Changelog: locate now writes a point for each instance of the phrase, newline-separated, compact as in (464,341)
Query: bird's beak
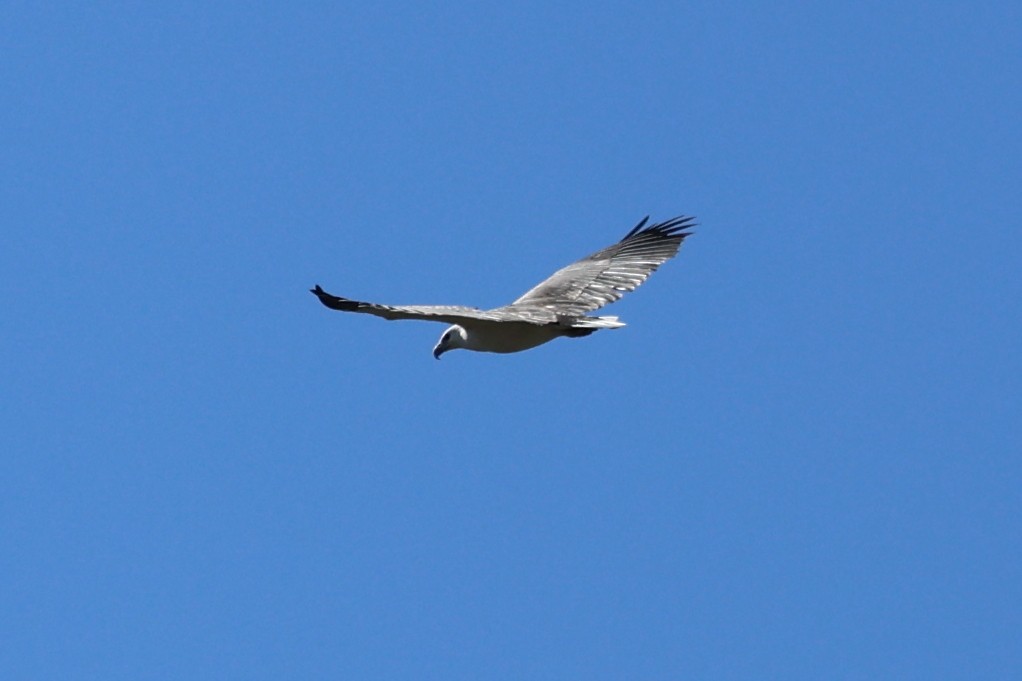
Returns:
(437,351)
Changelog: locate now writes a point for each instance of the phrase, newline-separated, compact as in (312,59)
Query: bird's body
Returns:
(555,308)
(507,337)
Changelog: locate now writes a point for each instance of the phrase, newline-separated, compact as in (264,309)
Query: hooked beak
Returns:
(437,351)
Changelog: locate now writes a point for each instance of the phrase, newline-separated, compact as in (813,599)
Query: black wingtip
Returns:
(672,227)
(637,227)
(334,302)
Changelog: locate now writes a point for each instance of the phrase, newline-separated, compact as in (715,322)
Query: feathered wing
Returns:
(583,286)
(448,314)
(608,274)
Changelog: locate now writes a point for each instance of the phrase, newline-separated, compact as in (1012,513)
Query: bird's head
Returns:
(454,337)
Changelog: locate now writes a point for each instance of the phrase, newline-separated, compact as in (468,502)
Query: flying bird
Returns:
(554,308)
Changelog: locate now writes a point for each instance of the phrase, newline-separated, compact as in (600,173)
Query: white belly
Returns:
(509,336)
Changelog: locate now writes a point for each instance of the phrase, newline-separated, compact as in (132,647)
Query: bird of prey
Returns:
(554,308)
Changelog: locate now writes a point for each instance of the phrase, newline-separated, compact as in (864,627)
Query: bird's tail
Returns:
(597,323)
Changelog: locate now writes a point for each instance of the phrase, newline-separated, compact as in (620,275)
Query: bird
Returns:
(554,308)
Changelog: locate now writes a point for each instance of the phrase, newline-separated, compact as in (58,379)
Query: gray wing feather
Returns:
(605,276)
(449,314)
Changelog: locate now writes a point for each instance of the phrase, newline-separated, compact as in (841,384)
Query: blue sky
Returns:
(800,460)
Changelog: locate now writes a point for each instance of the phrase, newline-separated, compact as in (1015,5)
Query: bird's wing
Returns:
(449,314)
(606,275)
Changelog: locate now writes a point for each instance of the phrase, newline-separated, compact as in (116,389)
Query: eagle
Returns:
(556,307)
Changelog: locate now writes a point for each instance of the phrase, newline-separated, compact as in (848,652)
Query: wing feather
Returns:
(605,276)
(449,314)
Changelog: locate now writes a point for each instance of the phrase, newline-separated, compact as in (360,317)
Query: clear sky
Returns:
(802,459)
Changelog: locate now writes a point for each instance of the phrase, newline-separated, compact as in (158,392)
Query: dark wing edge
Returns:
(336,302)
(668,228)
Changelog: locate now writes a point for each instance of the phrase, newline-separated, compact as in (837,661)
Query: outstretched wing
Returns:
(605,276)
(449,314)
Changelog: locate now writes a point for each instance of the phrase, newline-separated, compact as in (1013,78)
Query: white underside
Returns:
(507,337)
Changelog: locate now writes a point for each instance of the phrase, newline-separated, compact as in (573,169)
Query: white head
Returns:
(454,337)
